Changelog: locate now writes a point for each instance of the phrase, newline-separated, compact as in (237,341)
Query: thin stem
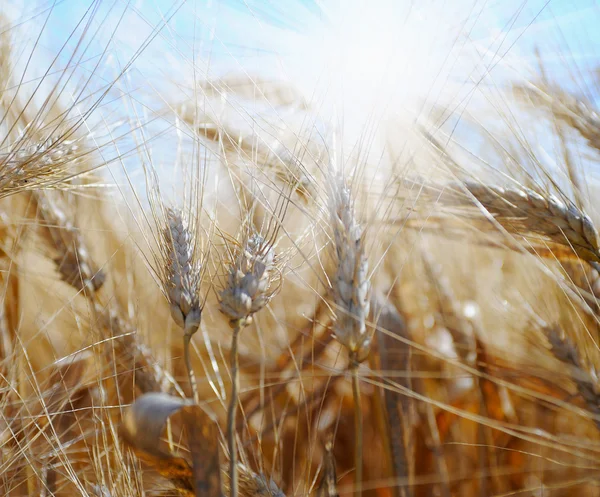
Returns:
(358,434)
(233,400)
(187,338)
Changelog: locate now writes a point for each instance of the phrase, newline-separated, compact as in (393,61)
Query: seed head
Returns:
(73,261)
(36,165)
(182,272)
(350,283)
(254,485)
(248,287)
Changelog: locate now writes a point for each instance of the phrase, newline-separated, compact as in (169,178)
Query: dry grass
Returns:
(285,324)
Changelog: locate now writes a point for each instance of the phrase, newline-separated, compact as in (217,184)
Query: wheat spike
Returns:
(182,275)
(389,318)
(585,280)
(526,211)
(41,165)
(149,376)
(545,221)
(350,283)
(566,351)
(79,270)
(254,485)
(182,278)
(460,328)
(74,261)
(580,115)
(249,282)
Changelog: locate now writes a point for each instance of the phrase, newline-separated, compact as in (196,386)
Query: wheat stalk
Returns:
(350,288)
(248,289)
(328,485)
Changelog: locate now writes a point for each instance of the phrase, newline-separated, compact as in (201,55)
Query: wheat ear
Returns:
(148,375)
(79,270)
(585,279)
(248,289)
(182,280)
(580,115)
(566,351)
(545,221)
(73,262)
(32,167)
(395,355)
(550,226)
(350,288)
(253,484)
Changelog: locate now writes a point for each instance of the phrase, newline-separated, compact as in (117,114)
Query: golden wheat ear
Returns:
(183,272)
(47,164)
(394,355)
(575,112)
(250,276)
(548,226)
(71,255)
(73,259)
(350,283)
(566,351)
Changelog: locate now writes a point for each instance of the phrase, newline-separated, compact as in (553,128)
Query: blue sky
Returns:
(292,40)
(241,27)
(228,35)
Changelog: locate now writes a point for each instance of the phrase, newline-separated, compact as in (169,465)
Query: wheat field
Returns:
(308,248)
